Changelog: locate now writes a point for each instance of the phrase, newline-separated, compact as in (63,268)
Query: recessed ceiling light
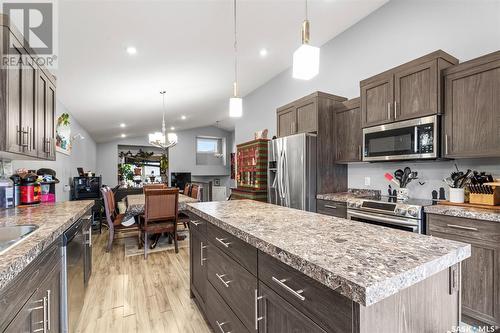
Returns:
(172,128)
(123,135)
(131,50)
(122,125)
(263,52)
(183,117)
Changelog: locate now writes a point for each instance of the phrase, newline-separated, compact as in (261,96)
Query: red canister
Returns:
(30,190)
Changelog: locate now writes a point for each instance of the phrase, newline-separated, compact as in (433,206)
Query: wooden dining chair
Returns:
(113,219)
(154,187)
(195,192)
(160,215)
(187,189)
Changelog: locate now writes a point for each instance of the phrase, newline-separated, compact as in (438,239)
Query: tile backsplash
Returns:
(430,173)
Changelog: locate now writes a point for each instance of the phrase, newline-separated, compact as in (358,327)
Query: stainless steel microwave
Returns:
(404,140)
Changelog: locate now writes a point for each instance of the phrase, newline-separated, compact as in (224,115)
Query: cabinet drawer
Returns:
(197,223)
(332,208)
(326,307)
(477,229)
(18,291)
(243,253)
(234,283)
(220,315)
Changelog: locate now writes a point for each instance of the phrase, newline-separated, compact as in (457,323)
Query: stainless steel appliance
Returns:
(388,212)
(292,171)
(404,140)
(76,268)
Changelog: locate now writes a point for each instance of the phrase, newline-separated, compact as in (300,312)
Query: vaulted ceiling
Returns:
(184,47)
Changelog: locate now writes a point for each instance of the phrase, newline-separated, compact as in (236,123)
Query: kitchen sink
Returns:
(12,235)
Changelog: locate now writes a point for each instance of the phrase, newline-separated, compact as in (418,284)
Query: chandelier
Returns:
(163,139)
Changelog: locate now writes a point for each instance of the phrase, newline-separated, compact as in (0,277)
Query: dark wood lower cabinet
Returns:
(480,272)
(198,263)
(219,314)
(33,299)
(279,316)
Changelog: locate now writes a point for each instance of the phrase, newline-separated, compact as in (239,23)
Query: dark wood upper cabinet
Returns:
(472,108)
(349,140)
(307,116)
(29,113)
(28,110)
(46,117)
(287,121)
(409,91)
(315,113)
(303,115)
(376,101)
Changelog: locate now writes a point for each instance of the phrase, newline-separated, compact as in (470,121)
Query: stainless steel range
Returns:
(388,212)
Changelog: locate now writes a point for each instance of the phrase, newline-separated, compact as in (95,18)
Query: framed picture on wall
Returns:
(63,134)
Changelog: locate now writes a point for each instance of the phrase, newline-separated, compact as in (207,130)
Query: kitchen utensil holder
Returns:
(457,195)
(403,194)
(487,199)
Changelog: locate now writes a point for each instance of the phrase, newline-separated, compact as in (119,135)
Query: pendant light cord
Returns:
(307,10)
(235,92)
(163,128)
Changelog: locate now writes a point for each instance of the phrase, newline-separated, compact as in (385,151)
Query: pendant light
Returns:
(163,140)
(235,102)
(306,57)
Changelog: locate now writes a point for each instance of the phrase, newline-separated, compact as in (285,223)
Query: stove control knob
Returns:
(413,211)
(400,211)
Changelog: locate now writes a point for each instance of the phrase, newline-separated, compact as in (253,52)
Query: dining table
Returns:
(136,202)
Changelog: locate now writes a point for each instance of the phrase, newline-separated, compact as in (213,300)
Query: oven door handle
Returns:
(388,220)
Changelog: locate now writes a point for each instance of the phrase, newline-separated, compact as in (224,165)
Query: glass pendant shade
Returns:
(235,107)
(306,62)
(172,138)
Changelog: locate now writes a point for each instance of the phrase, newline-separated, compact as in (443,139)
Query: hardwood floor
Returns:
(136,295)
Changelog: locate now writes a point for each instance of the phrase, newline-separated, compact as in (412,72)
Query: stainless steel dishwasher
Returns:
(73,285)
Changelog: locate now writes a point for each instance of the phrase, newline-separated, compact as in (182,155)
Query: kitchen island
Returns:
(261,267)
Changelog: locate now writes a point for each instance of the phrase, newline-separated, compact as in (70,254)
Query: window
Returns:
(208,145)
(210,151)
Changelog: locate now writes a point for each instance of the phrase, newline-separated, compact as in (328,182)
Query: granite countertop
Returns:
(348,195)
(52,221)
(466,212)
(364,262)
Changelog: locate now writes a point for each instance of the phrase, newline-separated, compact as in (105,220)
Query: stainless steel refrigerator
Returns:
(292,172)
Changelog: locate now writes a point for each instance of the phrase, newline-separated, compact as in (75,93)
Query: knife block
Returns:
(486,199)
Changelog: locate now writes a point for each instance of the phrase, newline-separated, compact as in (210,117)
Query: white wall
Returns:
(398,32)
(182,157)
(83,155)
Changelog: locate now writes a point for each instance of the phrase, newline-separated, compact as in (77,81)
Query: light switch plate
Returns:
(368,181)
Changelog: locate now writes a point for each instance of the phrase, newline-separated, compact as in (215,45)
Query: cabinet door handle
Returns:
(196,222)
(330,206)
(48,309)
(201,253)
(219,324)
(360,153)
(221,240)
(461,227)
(44,321)
(220,277)
(395,110)
(296,293)
(389,110)
(256,303)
